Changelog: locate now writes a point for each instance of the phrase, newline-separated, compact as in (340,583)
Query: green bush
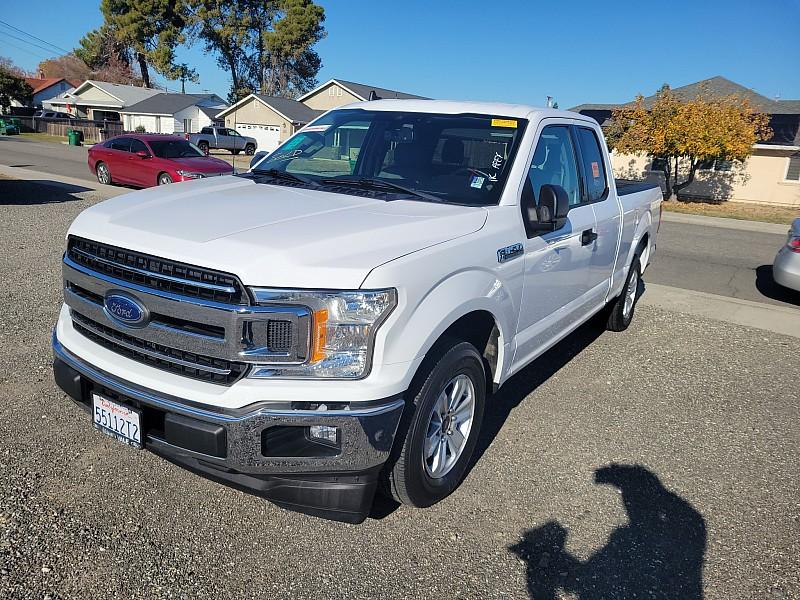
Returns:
(140,129)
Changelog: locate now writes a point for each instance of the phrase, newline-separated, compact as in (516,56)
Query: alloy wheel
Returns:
(449,426)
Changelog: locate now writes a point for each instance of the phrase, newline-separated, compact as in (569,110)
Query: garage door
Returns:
(267,136)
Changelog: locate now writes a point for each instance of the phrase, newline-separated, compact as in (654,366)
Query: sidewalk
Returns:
(60,181)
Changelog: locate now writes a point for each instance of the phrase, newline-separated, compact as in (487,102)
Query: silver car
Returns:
(786,268)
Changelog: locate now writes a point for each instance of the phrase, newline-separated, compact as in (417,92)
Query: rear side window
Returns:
(594,170)
(207,131)
(121,144)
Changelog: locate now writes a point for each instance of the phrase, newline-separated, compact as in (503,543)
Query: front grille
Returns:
(279,336)
(157,273)
(188,364)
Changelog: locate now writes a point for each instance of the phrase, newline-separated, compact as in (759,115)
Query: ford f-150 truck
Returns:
(336,320)
(222,138)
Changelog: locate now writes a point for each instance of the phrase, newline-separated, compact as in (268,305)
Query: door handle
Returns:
(588,236)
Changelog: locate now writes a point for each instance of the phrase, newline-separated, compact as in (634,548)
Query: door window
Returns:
(138,146)
(554,163)
(594,170)
(121,144)
(232,132)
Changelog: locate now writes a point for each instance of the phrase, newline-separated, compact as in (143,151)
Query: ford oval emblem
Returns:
(125,309)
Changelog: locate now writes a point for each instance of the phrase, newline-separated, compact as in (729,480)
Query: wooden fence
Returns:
(93,131)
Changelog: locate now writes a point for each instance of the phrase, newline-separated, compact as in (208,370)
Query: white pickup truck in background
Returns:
(338,317)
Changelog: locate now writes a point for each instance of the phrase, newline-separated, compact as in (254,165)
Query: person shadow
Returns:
(658,554)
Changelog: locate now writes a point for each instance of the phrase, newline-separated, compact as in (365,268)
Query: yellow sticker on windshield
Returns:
(504,123)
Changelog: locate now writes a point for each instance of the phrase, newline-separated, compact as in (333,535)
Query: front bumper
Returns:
(236,447)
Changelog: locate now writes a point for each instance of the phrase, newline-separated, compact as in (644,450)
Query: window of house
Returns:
(187,126)
(338,91)
(793,169)
(706,165)
(723,165)
(594,170)
(332,91)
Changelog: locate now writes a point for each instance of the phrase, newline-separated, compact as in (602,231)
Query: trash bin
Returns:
(74,137)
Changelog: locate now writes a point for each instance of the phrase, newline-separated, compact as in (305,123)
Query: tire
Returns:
(203,147)
(103,174)
(164,179)
(623,306)
(419,477)
(250,149)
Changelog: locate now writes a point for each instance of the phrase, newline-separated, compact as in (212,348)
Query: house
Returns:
(337,92)
(100,100)
(45,88)
(270,120)
(771,175)
(173,113)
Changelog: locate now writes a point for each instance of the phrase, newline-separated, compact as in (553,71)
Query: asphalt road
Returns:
(700,414)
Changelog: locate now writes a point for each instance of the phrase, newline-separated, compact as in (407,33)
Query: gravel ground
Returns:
(698,418)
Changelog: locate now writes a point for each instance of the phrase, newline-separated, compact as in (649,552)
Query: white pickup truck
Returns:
(335,320)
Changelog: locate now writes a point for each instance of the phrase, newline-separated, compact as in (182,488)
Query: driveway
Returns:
(660,462)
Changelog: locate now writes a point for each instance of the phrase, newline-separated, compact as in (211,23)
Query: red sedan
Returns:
(148,160)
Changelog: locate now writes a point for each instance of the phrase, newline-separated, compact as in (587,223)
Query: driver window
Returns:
(554,163)
(233,132)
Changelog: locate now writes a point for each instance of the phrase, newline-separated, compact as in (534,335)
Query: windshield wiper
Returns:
(276,174)
(381,184)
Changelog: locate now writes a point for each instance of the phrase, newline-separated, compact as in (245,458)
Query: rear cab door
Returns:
(556,290)
(118,164)
(600,193)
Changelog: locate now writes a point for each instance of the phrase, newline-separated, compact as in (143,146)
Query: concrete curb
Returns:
(739,224)
(768,317)
(61,181)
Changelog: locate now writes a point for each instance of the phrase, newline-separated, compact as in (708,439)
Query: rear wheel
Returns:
(203,147)
(444,429)
(103,174)
(164,179)
(623,307)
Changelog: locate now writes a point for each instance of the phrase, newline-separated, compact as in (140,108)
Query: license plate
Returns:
(116,420)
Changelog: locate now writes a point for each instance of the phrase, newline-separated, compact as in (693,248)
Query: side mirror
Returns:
(257,157)
(553,207)
(142,154)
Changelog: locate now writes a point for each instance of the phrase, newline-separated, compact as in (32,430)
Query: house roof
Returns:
(127,95)
(289,109)
(168,104)
(209,111)
(717,87)
(42,83)
(362,91)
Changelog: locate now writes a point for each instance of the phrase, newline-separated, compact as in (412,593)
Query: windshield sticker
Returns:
(497,161)
(286,155)
(477,182)
(312,128)
(504,123)
(595,170)
(295,141)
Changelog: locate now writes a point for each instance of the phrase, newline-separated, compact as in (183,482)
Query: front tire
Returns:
(249,149)
(444,428)
(623,307)
(164,179)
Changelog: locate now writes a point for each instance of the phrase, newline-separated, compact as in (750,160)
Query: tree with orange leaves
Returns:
(687,132)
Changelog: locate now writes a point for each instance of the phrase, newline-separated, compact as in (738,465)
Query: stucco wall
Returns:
(321,100)
(760,179)
(93,93)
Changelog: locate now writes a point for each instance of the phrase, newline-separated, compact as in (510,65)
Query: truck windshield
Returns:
(458,158)
(174,149)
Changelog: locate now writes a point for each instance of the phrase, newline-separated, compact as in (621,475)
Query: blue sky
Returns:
(509,51)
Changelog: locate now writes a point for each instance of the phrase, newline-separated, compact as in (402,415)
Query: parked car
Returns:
(9,126)
(786,266)
(148,160)
(52,114)
(222,138)
(338,316)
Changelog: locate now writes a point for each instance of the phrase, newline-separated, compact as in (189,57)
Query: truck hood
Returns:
(271,235)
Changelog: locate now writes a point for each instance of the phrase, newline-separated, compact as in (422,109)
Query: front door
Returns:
(557,263)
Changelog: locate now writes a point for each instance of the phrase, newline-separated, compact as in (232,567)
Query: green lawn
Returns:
(736,210)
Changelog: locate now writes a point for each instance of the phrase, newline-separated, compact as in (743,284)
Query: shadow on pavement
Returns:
(765,284)
(658,554)
(30,192)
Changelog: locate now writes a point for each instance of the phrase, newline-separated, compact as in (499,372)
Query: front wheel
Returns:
(164,179)
(103,174)
(444,429)
(250,149)
(622,308)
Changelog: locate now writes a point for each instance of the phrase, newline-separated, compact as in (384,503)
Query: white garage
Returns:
(268,119)
(267,136)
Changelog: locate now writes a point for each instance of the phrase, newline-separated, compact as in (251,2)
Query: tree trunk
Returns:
(143,68)
(667,170)
(693,163)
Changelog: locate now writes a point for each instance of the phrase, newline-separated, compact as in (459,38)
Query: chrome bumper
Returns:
(367,432)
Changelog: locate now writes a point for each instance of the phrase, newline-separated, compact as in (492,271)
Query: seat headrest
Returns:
(453,151)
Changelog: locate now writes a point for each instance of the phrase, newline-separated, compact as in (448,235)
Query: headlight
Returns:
(190,175)
(342,331)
